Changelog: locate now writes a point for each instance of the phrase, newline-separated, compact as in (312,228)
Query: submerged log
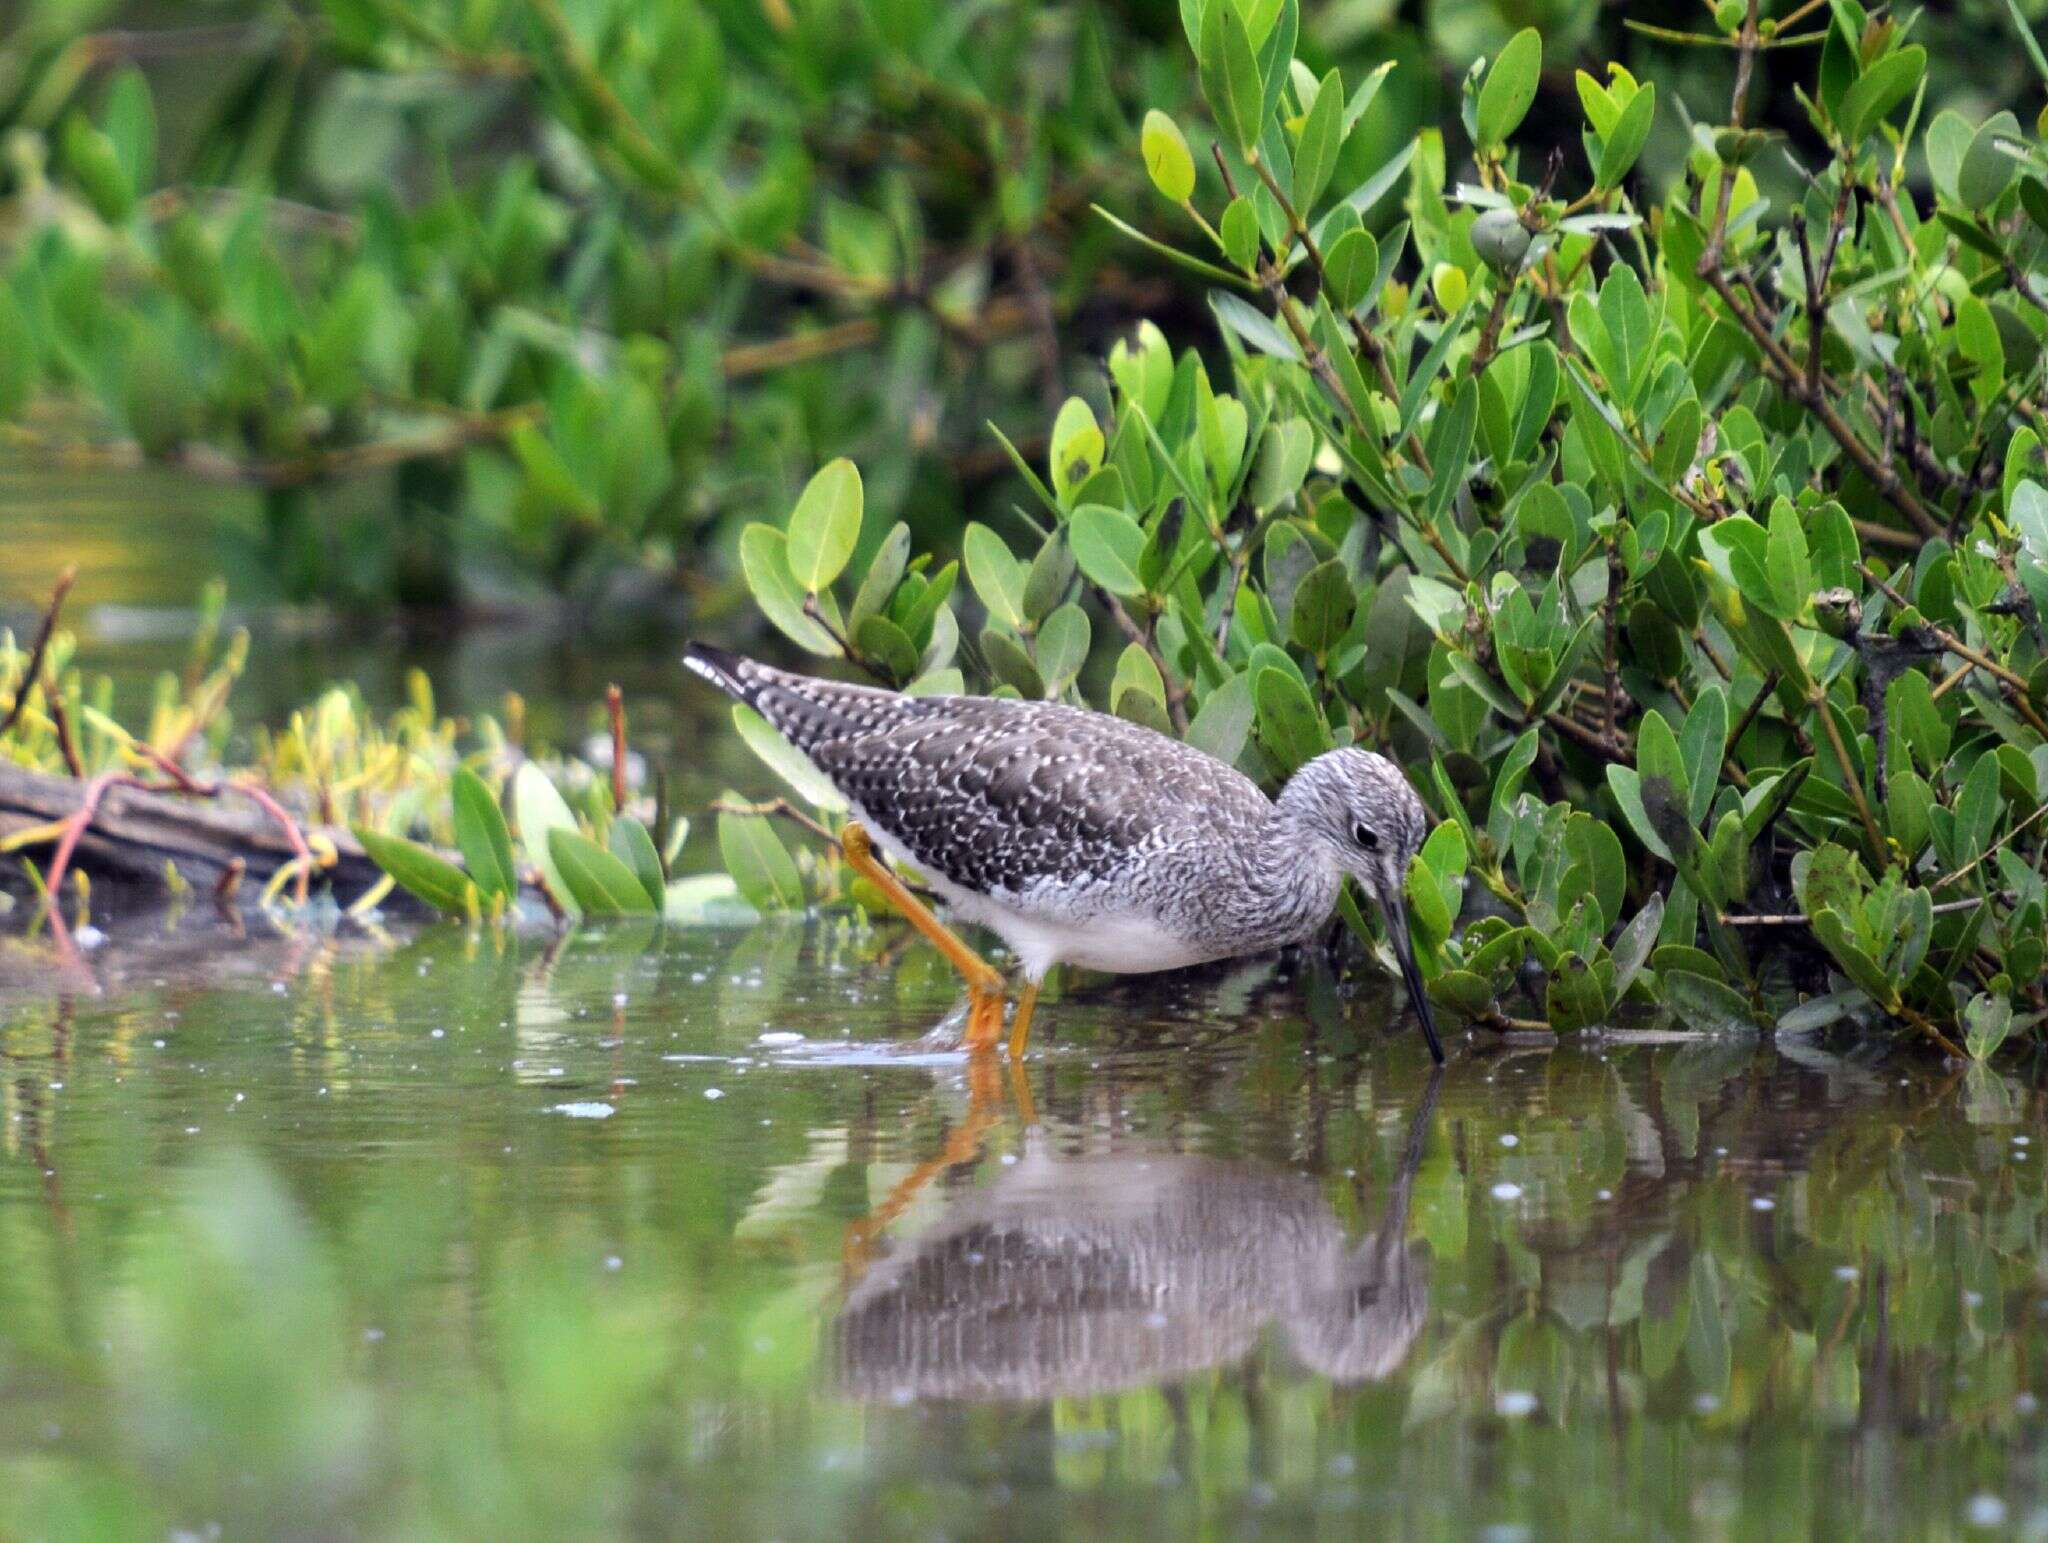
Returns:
(135,833)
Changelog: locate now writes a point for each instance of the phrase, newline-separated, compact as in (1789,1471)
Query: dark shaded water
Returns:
(654,1232)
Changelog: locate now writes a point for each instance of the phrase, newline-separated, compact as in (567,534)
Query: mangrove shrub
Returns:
(1690,551)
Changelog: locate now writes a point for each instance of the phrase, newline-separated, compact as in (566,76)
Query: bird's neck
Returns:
(1290,881)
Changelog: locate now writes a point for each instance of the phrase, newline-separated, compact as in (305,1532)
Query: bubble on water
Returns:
(1009,1159)
(1847,1272)
(1605,1194)
(1985,1511)
(776,1037)
(2026,1405)
(590,1109)
(1507,1191)
(1514,1403)
(88,936)
(1510,1140)
(2021,1141)
(1763,1203)
(437,1034)
(714,1092)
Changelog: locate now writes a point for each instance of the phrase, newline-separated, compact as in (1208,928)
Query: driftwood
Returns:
(134,833)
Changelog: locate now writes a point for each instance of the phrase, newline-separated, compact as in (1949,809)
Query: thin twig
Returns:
(2006,840)
(615,710)
(33,674)
(1962,650)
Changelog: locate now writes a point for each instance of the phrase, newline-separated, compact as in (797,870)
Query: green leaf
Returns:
(1136,674)
(1619,152)
(1049,577)
(1702,741)
(1509,88)
(1986,168)
(1062,647)
(1634,944)
(1254,325)
(1986,1022)
(759,863)
(1225,720)
(1574,997)
(1193,264)
(1322,137)
(885,572)
(1289,722)
(1705,1005)
(419,872)
(633,844)
(1167,161)
(1878,90)
(481,833)
(602,885)
(764,561)
(881,640)
(1351,266)
(130,124)
(541,811)
(995,573)
(1076,448)
(786,761)
(1286,452)
(1010,663)
(1230,75)
(1323,604)
(825,525)
(1107,542)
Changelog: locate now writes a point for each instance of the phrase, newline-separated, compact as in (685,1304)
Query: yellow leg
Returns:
(1020,1028)
(963,1144)
(984,981)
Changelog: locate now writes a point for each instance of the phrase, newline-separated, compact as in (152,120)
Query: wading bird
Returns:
(1083,839)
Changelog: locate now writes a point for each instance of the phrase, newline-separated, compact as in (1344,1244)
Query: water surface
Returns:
(575,1235)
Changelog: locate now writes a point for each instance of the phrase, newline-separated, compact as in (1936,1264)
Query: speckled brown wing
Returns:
(995,795)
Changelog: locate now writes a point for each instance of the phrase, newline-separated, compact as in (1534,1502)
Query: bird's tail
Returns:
(729,672)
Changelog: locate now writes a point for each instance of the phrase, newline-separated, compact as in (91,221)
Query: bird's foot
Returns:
(984,1019)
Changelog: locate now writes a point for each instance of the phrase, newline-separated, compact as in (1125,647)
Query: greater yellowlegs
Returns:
(1084,839)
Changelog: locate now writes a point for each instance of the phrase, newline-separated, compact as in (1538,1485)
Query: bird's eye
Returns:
(1366,837)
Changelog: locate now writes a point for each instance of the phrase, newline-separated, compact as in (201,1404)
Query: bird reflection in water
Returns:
(1078,1276)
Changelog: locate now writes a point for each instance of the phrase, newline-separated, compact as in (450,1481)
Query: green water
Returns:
(531,1237)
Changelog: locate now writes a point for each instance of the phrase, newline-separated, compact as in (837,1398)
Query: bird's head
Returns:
(1359,807)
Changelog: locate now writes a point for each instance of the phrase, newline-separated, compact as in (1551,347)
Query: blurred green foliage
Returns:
(1691,546)
(505,295)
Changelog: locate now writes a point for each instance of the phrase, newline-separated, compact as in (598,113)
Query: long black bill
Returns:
(1395,910)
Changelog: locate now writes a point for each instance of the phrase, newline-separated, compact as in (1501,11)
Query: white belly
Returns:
(1053,926)
(1117,945)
